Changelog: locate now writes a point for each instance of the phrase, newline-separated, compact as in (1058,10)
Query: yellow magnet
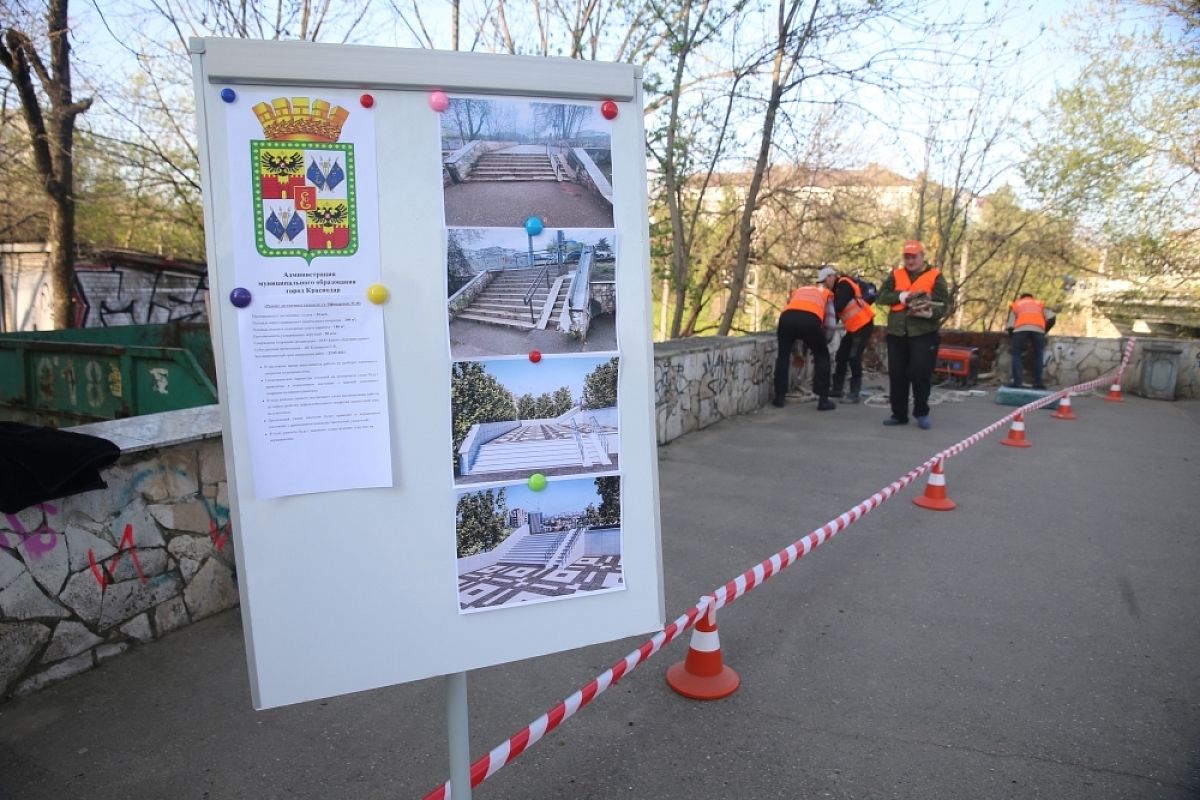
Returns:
(377,293)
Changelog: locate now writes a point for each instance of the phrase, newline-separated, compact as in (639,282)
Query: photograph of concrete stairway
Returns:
(519,163)
(520,298)
(505,160)
(510,293)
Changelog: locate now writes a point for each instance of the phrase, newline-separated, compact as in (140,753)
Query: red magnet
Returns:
(535,356)
(609,109)
(367,100)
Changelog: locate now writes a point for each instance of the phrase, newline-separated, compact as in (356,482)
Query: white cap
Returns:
(826,272)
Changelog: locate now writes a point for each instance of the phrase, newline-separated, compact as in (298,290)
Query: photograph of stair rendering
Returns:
(511,293)
(518,546)
(511,418)
(506,159)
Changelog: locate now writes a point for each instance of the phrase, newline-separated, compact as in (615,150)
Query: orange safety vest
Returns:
(1029,312)
(812,299)
(903,283)
(857,314)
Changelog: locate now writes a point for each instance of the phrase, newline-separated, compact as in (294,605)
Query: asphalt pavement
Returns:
(1040,641)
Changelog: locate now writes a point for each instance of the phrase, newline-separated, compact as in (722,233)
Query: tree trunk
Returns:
(781,70)
(61,235)
(50,123)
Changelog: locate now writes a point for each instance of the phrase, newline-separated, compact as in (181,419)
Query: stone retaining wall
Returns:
(84,578)
(698,382)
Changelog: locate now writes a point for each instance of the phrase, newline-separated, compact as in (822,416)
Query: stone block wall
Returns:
(84,578)
(698,382)
(1069,360)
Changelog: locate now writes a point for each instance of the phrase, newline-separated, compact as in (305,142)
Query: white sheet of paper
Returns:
(305,223)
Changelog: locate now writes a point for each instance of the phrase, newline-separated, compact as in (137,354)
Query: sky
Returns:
(521,376)
(108,34)
(517,239)
(560,495)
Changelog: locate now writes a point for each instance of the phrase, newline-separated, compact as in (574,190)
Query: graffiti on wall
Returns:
(125,294)
(41,540)
(37,542)
(695,389)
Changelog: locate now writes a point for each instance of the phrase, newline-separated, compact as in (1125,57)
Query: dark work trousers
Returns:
(910,363)
(1038,339)
(850,353)
(801,326)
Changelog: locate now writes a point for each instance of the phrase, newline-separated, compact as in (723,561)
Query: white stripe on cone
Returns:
(705,641)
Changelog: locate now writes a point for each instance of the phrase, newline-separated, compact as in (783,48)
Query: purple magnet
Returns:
(438,101)
(367,100)
(240,297)
(609,109)
(534,226)
(228,95)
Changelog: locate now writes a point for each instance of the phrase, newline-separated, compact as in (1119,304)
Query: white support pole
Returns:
(459,733)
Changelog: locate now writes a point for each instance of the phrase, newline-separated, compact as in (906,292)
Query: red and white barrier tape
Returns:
(508,750)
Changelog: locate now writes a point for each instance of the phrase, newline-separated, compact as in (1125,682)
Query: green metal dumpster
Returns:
(79,375)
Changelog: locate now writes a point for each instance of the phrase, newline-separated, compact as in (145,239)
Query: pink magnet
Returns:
(609,109)
(535,356)
(438,101)
(367,100)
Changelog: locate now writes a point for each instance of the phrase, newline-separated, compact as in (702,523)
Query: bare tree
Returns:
(50,123)
(804,51)
(687,148)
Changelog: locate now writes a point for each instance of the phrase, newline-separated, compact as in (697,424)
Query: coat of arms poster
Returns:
(305,224)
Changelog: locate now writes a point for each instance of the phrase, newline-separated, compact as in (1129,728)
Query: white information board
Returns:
(415,488)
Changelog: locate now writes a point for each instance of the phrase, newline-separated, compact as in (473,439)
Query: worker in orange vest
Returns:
(808,317)
(856,313)
(1028,321)
(917,298)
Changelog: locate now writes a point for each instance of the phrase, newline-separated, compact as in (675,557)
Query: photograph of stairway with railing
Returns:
(550,286)
(518,546)
(520,298)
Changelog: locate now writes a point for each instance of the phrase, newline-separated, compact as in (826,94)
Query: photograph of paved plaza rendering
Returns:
(516,545)
(512,417)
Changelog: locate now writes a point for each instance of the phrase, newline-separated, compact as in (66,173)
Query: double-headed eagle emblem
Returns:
(303,180)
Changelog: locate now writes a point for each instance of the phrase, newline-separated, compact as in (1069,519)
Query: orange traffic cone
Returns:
(935,497)
(702,675)
(1064,408)
(1016,434)
(1114,394)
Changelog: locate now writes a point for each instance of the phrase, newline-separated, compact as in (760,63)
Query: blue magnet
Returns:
(240,297)
(228,95)
(533,226)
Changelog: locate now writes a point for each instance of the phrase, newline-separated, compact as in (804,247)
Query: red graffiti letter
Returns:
(104,576)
